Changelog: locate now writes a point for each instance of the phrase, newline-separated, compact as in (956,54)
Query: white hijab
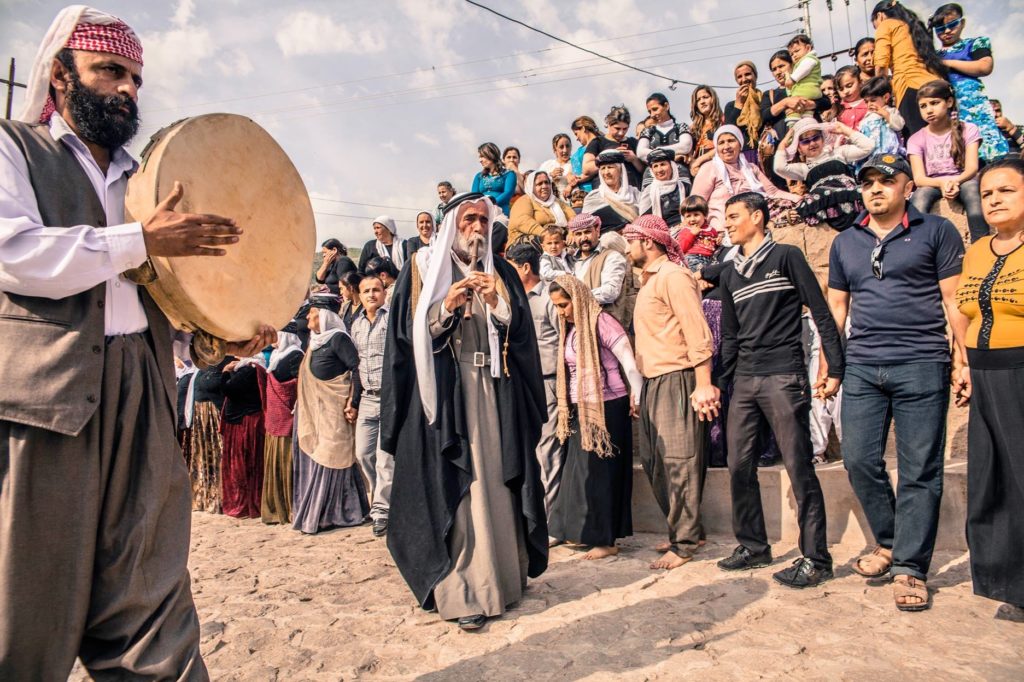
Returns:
(287,343)
(745,168)
(437,280)
(626,194)
(331,325)
(57,36)
(650,198)
(552,204)
(393,252)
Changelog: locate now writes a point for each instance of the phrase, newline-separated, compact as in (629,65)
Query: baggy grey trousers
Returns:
(94,537)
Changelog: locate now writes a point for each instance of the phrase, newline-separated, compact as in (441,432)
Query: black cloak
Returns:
(433,467)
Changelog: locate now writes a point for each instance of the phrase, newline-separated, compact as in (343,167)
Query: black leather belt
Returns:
(371,391)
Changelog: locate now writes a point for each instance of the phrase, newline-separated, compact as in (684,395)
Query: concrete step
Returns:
(846,523)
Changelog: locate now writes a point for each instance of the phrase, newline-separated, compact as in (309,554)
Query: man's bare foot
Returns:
(666,546)
(669,561)
(600,553)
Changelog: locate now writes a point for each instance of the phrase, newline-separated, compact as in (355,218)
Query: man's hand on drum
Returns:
(265,336)
(170,233)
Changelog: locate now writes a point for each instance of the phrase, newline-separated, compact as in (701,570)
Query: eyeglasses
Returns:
(939,30)
(876,261)
(816,137)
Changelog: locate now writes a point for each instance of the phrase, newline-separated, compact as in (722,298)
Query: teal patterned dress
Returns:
(971,99)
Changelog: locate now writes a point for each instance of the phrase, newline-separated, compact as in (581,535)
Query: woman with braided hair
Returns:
(594,408)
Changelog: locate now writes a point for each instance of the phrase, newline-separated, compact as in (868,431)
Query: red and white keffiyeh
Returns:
(654,228)
(77,27)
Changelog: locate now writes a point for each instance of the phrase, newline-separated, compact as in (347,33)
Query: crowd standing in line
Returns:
(468,391)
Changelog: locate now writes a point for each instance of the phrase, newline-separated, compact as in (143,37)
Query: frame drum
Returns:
(229,166)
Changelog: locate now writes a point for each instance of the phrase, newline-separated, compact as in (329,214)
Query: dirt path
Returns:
(278,605)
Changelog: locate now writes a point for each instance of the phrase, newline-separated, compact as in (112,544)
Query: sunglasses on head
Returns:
(939,30)
(814,137)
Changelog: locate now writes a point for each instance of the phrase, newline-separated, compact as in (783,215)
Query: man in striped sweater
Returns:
(764,290)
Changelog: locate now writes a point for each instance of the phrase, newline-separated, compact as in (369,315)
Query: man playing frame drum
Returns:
(94,494)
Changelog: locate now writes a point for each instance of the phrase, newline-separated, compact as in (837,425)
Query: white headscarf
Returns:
(38,85)
(626,194)
(257,360)
(393,252)
(552,204)
(331,324)
(650,198)
(745,168)
(287,343)
(437,280)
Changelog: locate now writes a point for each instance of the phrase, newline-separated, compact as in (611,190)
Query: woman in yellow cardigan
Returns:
(991,296)
(529,218)
(904,49)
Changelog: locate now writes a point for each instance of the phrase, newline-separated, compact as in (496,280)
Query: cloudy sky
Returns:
(376,101)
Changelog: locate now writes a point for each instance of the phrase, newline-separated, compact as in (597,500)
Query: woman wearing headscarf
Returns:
(242,431)
(282,387)
(539,208)
(745,111)
(385,244)
(615,200)
(328,489)
(666,191)
(424,233)
(729,174)
(594,408)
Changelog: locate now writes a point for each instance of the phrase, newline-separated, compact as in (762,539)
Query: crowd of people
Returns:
(651,275)
(475,393)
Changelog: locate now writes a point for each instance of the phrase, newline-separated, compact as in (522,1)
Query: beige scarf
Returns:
(594,435)
(324,433)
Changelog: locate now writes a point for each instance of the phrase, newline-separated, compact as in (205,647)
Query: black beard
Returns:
(99,119)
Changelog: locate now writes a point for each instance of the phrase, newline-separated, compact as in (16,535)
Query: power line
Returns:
(673,81)
(471,62)
(356,203)
(358,217)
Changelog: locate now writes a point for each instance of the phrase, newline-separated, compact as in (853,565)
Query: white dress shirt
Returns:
(612,276)
(60,261)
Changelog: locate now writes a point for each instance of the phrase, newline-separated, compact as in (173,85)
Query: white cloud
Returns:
(428,139)
(391,146)
(235,63)
(183,13)
(702,12)
(308,33)
(463,137)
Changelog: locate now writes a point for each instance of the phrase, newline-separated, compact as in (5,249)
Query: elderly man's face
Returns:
(473,221)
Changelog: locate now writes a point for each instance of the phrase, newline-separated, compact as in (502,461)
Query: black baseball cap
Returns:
(886,164)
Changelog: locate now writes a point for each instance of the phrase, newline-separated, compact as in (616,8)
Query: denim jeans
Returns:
(970,196)
(916,397)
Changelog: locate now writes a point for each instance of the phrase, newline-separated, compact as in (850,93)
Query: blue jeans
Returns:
(970,196)
(916,396)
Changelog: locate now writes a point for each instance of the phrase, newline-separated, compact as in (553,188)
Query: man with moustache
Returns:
(894,273)
(462,405)
(94,533)
(602,269)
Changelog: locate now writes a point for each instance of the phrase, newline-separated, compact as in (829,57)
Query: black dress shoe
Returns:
(472,622)
(803,573)
(743,559)
(380,527)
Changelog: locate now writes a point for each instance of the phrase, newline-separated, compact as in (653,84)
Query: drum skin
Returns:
(229,166)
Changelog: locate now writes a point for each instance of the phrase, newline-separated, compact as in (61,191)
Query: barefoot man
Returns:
(673,353)
(94,493)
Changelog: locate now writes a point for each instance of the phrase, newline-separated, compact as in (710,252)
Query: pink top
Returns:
(853,113)
(708,185)
(609,332)
(936,150)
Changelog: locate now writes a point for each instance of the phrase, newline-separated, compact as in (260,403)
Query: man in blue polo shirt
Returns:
(893,272)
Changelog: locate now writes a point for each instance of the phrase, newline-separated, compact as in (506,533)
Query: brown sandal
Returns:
(904,586)
(875,565)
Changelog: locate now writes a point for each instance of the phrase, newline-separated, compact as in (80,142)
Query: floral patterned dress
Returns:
(971,99)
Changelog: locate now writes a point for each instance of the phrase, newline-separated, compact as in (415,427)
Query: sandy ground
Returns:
(278,605)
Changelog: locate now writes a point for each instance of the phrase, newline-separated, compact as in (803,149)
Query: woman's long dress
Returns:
(282,387)
(243,433)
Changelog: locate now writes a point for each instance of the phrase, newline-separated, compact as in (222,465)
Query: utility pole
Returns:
(11,84)
(805,5)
